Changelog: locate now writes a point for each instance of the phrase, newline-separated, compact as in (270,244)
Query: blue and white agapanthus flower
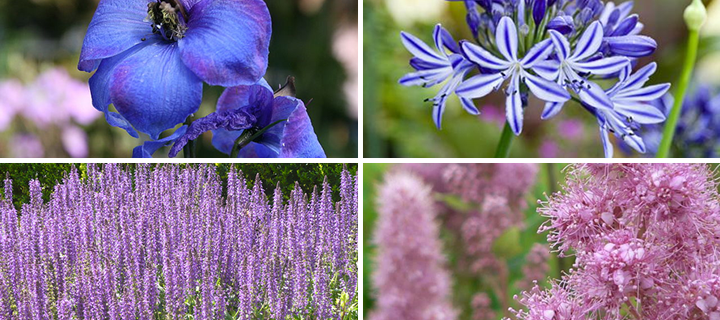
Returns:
(556,50)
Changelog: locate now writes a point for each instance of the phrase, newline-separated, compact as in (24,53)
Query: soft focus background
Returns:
(398,123)
(45,106)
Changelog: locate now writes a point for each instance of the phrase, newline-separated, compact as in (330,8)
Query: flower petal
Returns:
(645,94)
(640,112)
(537,54)
(514,107)
(223,140)
(227,41)
(481,57)
(116,26)
(602,66)
(479,86)
(444,40)
(562,46)
(298,137)
(506,38)
(148,148)
(552,109)
(548,69)
(546,90)
(593,95)
(632,46)
(426,78)
(469,106)
(421,50)
(589,42)
(639,78)
(154,90)
(607,145)
(626,26)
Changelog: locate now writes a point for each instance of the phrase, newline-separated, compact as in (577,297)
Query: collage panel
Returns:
(179,78)
(179,241)
(541,79)
(541,241)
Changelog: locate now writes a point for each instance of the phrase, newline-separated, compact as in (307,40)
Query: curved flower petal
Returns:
(298,138)
(227,41)
(639,78)
(116,26)
(552,109)
(605,137)
(548,69)
(562,46)
(479,86)
(537,54)
(593,95)
(427,78)
(420,50)
(506,38)
(223,140)
(469,106)
(602,66)
(481,57)
(589,42)
(632,46)
(154,90)
(626,26)
(645,94)
(148,148)
(640,113)
(545,89)
(514,108)
(443,40)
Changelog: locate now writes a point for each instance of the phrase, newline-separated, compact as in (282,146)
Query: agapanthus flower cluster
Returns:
(168,243)
(554,50)
(152,57)
(410,278)
(645,239)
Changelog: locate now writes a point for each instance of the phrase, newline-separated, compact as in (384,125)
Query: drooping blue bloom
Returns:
(510,67)
(632,108)
(152,57)
(434,67)
(245,111)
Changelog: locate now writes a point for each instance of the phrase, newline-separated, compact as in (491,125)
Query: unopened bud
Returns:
(695,15)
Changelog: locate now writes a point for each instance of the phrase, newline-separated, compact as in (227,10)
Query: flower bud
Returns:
(695,15)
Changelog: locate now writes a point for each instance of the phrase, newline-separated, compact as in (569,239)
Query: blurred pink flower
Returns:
(549,149)
(75,142)
(11,96)
(56,98)
(571,129)
(26,146)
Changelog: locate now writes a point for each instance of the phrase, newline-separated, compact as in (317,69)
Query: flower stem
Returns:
(671,124)
(503,148)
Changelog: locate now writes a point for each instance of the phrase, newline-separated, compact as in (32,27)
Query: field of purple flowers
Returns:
(174,243)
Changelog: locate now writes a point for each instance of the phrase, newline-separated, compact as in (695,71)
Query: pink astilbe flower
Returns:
(410,279)
(645,237)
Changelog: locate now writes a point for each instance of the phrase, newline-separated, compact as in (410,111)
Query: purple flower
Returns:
(435,67)
(510,67)
(407,239)
(153,57)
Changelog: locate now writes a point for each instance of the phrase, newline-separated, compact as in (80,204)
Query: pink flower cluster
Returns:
(645,239)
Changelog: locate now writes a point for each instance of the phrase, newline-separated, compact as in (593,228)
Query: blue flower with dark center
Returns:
(252,122)
(152,56)
(555,50)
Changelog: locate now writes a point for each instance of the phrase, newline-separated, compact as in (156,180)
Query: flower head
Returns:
(152,57)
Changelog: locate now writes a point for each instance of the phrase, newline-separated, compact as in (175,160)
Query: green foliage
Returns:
(49,174)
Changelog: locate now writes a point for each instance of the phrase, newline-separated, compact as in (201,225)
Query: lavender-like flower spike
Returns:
(407,239)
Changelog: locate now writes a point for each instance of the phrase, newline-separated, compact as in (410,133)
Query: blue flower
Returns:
(632,107)
(434,67)
(245,111)
(513,68)
(152,57)
(569,65)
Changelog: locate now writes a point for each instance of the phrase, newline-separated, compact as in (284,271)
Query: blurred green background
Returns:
(45,107)
(399,124)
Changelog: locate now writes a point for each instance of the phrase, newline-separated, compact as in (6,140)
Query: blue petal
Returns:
(147,149)
(552,109)
(645,94)
(632,46)
(298,139)
(589,42)
(116,26)
(602,66)
(639,78)
(626,26)
(227,41)
(479,85)
(154,90)
(562,46)
(224,140)
(469,106)
(427,78)
(594,96)
(481,57)
(537,54)
(506,38)
(545,89)
(256,150)
(548,69)
(421,50)
(514,108)
(245,96)
(115,119)
(640,112)
(607,145)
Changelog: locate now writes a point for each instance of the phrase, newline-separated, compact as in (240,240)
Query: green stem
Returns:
(503,148)
(671,124)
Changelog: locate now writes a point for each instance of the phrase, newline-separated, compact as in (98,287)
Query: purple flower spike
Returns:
(151,68)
